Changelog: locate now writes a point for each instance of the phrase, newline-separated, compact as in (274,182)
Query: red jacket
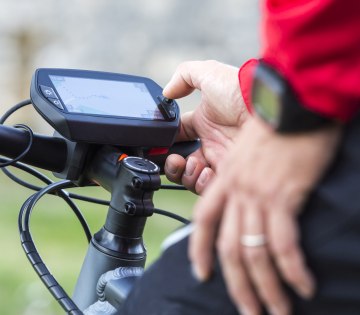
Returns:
(316,45)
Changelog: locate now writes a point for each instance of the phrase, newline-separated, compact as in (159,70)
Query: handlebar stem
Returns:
(119,243)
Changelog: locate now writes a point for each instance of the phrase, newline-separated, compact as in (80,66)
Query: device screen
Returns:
(106,97)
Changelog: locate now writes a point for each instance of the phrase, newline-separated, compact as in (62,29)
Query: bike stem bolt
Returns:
(130,208)
(137,182)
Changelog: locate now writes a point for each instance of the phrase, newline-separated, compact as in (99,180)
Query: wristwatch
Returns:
(273,99)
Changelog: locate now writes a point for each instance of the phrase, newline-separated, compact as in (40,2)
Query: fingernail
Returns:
(190,166)
(198,273)
(275,310)
(204,176)
(307,289)
(171,168)
(166,88)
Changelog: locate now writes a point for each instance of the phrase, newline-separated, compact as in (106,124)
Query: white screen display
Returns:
(106,97)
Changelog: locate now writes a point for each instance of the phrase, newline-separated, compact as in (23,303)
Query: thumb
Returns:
(186,79)
(187,131)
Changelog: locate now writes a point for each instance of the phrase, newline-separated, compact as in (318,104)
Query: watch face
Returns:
(274,100)
(266,102)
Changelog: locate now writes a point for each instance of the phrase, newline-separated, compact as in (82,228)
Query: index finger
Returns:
(186,79)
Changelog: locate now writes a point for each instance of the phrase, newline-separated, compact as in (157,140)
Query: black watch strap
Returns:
(274,100)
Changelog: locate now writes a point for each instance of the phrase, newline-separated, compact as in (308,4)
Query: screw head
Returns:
(130,208)
(137,182)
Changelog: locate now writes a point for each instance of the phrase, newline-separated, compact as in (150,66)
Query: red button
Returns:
(158,151)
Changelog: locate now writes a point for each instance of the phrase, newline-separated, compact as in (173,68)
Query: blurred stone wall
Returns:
(141,37)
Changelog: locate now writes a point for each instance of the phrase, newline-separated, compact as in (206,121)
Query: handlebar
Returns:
(51,153)
(46,152)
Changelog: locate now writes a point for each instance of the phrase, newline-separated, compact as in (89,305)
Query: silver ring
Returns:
(253,240)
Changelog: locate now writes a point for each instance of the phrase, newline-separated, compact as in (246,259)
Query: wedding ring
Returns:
(253,240)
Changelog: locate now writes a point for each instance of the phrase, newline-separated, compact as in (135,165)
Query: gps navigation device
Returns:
(105,108)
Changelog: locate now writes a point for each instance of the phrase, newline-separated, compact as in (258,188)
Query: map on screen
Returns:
(106,97)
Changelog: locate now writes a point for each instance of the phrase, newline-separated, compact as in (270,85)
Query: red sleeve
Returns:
(316,45)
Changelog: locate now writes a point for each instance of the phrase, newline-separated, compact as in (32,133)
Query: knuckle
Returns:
(212,62)
(189,183)
(182,66)
(227,250)
(283,249)
(173,177)
(202,218)
(254,256)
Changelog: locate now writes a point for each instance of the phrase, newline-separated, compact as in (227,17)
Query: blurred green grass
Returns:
(61,243)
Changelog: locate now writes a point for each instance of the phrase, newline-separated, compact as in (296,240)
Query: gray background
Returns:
(148,38)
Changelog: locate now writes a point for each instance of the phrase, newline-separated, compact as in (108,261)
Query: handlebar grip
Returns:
(185,148)
(48,153)
(182,148)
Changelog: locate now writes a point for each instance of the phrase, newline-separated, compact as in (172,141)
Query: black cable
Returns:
(43,178)
(3,118)
(13,109)
(173,187)
(62,193)
(19,181)
(69,194)
(27,149)
(29,170)
(35,197)
(32,254)
(72,205)
(90,199)
(27,184)
(171,215)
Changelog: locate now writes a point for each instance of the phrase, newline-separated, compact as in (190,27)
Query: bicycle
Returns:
(116,255)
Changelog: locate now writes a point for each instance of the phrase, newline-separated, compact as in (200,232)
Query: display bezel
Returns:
(103,129)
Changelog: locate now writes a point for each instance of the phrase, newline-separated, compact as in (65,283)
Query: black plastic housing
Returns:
(104,129)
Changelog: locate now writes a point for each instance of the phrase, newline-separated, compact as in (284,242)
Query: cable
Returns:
(173,187)
(27,184)
(27,149)
(37,188)
(19,181)
(4,117)
(32,254)
(171,215)
(85,198)
(13,109)
(62,193)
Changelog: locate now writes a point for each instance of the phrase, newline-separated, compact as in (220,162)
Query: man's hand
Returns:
(215,121)
(259,189)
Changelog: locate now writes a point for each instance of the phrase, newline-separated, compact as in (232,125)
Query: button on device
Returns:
(48,92)
(56,102)
(172,114)
(167,108)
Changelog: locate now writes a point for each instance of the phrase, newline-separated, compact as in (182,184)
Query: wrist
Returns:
(274,101)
